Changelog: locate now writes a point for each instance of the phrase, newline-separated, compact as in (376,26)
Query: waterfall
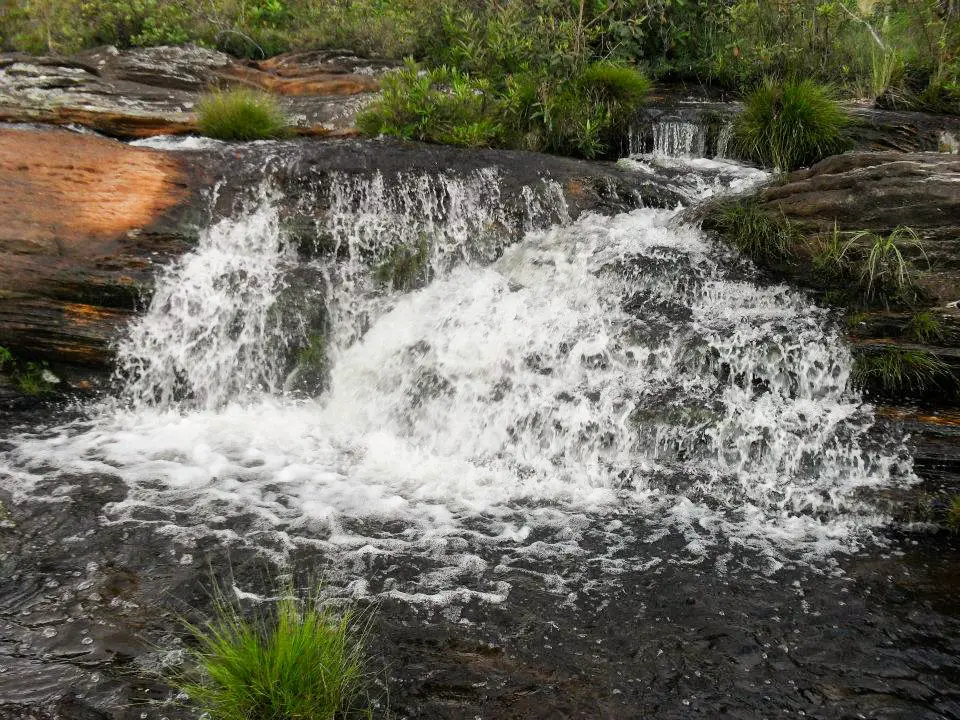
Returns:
(595,385)
(676,138)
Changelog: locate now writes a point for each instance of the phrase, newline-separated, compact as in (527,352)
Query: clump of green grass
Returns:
(303,663)
(953,514)
(758,234)
(886,272)
(240,114)
(830,257)
(925,327)
(899,372)
(880,263)
(791,124)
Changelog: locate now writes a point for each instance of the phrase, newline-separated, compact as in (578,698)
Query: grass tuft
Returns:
(759,235)
(791,124)
(886,273)
(303,662)
(953,515)
(925,327)
(240,114)
(898,372)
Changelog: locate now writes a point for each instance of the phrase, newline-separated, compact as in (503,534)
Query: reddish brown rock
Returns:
(73,212)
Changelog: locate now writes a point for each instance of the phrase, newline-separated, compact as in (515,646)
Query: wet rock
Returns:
(877,192)
(152,91)
(873,129)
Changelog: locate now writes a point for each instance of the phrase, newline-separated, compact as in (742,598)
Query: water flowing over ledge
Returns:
(597,386)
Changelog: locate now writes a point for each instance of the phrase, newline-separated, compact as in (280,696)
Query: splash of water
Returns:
(600,383)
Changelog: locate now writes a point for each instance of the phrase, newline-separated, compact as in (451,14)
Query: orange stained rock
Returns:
(64,194)
(945,418)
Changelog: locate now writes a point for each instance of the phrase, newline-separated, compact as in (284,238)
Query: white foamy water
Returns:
(583,393)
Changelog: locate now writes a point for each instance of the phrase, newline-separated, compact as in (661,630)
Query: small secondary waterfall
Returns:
(677,138)
(593,387)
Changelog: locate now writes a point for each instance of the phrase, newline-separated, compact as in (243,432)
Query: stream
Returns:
(604,471)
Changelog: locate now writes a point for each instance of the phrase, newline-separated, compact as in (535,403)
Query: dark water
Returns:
(90,608)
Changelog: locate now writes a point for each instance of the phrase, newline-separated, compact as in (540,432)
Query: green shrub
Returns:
(897,372)
(442,105)
(791,124)
(240,115)
(302,663)
(579,116)
(761,236)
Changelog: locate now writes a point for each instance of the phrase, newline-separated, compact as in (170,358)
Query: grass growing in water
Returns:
(897,372)
(240,114)
(304,663)
(791,124)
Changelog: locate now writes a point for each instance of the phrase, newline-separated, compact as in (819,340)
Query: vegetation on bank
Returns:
(578,112)
(30,378)
(791,124)
(300,661)
(864,272)
(897,372)
(240,114)
(906,53)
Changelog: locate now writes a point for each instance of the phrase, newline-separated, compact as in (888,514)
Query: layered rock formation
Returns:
(152,91)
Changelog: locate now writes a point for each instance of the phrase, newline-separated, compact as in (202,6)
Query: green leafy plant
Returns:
(442,105)
(300,662)
(30,378)
(953,514)
(240,114)
(579,116)
(791,124)
(898,372)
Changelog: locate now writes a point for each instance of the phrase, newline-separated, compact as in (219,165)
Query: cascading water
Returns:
(675,138)
(564,401)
